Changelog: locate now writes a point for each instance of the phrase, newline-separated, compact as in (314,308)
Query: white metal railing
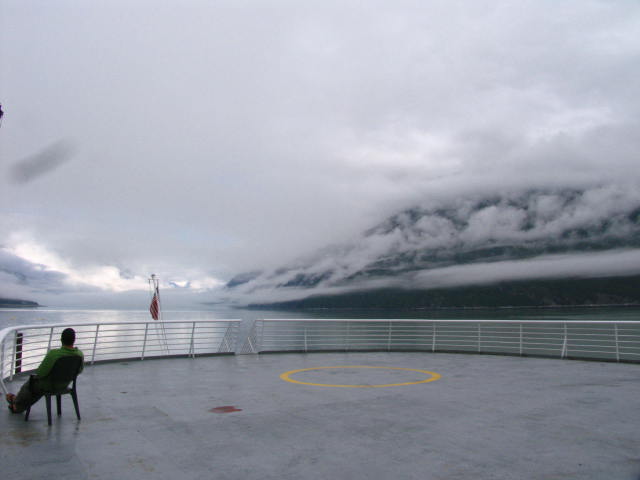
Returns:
(593,340)
(23,348)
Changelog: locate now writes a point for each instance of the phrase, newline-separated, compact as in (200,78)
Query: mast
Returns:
(156,311)
(156,307)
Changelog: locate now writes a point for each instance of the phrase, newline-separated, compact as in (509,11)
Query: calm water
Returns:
(14,317)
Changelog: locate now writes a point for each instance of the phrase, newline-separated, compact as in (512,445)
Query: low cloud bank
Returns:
(532,234)
(583,265)
(587,265)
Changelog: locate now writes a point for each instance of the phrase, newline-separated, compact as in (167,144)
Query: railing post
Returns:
(2,361)
(13,354)
(261,338)
(433,338)
(191,347)
(615,330)
(521,339)
(18,355)
(50,339)
(389,337)
(305,340)
(479,338)
(348,336)
(564,343)
(95,343)
(144,342)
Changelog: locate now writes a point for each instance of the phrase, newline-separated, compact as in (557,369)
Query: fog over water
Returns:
(200,140)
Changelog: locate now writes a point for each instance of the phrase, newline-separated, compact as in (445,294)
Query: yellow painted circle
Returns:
(287,377)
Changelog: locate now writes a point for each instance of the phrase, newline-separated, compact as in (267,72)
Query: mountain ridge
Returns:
(482,230)
(610,291)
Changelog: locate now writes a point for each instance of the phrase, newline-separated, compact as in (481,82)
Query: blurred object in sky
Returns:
(41,163)
(1,114)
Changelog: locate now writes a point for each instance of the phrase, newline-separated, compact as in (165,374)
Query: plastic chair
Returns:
(65,370)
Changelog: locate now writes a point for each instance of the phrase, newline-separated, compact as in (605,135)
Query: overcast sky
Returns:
(200,139)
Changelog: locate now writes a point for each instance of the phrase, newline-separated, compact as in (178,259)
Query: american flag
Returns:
(155,306)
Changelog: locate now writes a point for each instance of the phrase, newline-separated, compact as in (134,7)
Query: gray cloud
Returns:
(215,139)
(21,278)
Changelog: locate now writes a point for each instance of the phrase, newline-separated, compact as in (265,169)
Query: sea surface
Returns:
(35,316)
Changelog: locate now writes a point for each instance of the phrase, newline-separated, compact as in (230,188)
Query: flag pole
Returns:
(156,307)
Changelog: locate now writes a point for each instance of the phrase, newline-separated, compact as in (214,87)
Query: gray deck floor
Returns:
(487,417)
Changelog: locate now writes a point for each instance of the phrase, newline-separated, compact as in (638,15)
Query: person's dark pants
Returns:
(28,395)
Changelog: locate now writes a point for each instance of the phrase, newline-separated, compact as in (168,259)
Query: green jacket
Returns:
(47,364)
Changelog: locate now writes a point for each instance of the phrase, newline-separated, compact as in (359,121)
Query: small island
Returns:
(17,303)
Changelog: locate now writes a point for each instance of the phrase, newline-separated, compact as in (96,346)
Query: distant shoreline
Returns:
(562,293)
(16,303)
(501,307)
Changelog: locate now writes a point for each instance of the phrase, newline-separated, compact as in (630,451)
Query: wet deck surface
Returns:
(487,417)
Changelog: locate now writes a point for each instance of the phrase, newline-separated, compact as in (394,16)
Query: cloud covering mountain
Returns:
(473,240)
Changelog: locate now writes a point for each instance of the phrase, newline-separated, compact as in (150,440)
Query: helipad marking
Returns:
(287,377)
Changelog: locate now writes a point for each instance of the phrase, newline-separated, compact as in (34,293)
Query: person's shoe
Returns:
(10,397)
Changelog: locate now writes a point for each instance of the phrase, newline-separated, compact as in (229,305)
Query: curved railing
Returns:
(23,348)
(588,340)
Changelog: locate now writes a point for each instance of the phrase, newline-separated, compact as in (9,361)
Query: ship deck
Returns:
(486,417)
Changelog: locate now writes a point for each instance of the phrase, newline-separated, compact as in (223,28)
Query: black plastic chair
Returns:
(65,370)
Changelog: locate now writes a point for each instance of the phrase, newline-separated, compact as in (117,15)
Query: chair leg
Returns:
(26,415)
(74,396)
(59,404)
(48,401)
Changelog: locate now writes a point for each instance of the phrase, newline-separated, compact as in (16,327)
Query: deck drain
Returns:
(225,409)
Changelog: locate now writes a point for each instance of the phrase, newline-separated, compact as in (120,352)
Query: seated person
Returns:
(34,388)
